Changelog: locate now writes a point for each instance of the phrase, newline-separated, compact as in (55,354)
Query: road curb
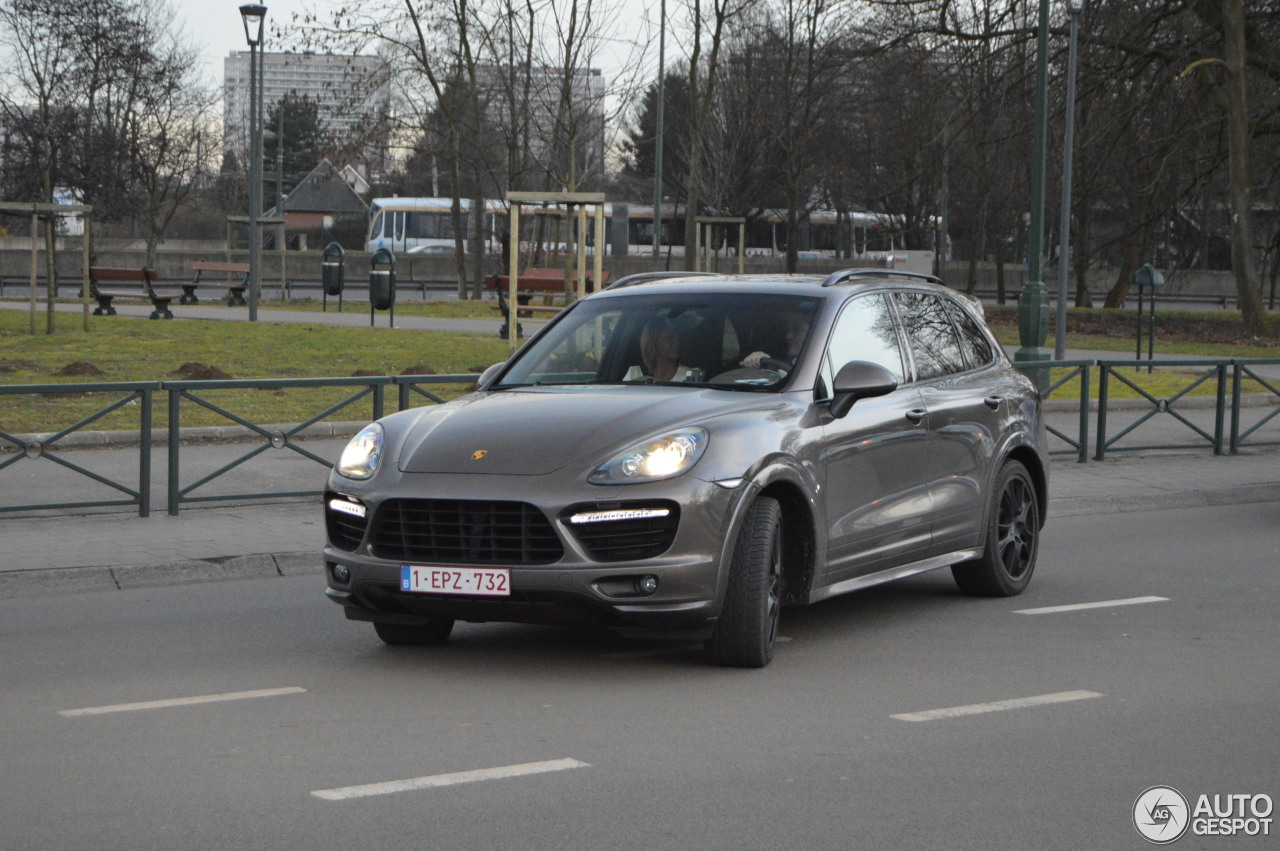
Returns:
(127,577)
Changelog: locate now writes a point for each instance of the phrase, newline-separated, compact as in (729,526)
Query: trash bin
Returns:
(382,281)
(333,269)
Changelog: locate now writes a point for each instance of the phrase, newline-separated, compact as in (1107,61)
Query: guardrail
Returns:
(410,391)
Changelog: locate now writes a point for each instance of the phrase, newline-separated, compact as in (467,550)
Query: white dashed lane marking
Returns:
(999,706)
(438,780)
(1104,604)
(181,701)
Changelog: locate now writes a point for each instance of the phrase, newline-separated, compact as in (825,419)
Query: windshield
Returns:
(731,340)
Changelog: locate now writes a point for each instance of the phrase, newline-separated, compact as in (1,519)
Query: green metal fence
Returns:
(1240,370)
(412,390)
(44,448)
(1079,445)
(371,388)
(1215,370)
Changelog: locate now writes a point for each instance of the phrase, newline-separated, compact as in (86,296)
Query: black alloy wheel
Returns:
(1012,539)
(747,628)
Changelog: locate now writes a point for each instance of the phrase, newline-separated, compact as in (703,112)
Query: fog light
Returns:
(647,585)
(341,574)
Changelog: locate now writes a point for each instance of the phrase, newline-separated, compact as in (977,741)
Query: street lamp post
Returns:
(1033,302)
(657,152)
(1075,7)
(253,15)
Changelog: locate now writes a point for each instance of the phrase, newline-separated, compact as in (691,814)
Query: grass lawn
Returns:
(122,349)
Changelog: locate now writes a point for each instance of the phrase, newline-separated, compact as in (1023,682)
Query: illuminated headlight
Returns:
(363,454)
(660,458)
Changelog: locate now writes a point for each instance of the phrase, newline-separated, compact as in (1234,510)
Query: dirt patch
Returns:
(420,370)
(9,366)
(365,373)
(199,372)
(81,368)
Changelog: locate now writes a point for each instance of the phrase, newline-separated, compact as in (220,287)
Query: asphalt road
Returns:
(623,744)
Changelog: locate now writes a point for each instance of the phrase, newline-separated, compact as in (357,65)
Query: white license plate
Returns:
(482,581)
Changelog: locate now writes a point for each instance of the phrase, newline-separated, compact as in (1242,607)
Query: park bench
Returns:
(146,292)
(547,283)
(235,291)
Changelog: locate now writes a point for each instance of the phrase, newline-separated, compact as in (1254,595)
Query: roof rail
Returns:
(650,277)
(848,274)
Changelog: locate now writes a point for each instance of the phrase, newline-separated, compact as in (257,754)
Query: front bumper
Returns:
(575,588)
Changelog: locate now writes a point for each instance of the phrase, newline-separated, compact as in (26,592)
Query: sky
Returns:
(215,27)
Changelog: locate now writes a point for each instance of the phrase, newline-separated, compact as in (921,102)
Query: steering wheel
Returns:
(775,365)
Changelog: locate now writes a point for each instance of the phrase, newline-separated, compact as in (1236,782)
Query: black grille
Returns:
(463,532)
(626,540)
(345,530)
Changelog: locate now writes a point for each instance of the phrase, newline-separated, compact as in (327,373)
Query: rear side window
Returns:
(972,340)
(865,331)
(935,346)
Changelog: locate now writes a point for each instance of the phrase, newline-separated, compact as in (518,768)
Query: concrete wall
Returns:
(175,257)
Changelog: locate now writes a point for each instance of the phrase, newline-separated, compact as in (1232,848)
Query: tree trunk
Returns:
(1238,138)
(478,243)
(1081,247)
(51,272)
(1000,287)
(1133,255)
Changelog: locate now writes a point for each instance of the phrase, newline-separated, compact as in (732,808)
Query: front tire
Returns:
(747,628)
(433,632)
(1012,539)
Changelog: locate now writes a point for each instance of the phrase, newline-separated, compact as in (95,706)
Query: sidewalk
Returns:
(106,552)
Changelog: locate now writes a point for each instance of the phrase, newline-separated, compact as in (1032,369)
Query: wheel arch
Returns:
(1030,459)
(799,540)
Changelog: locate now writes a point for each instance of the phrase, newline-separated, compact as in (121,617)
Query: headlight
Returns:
(658,458)
(363,454)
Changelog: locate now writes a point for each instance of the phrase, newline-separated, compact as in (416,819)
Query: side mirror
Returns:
(489,374)
(860,379)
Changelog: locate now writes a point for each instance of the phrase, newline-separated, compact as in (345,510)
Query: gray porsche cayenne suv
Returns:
(684,456)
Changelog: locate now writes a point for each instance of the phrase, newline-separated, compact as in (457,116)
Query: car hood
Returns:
(535,431)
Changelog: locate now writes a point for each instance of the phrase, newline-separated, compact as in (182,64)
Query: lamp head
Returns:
(253,15)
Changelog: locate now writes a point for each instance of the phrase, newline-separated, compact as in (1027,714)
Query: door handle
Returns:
(993,402)
(916,415)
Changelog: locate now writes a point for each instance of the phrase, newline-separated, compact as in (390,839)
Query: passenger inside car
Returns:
(660,349)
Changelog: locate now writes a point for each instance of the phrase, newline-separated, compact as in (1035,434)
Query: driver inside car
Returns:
(796,328)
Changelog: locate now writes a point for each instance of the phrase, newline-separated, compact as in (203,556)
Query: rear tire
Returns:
(434,631)
(747,628)
(1012,539)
